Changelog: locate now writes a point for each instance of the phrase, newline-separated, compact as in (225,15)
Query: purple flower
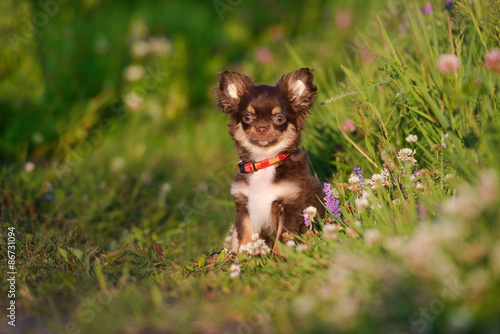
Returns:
(309,214)
(307,220)
(449,4)
(427,10)
(359,173)
(331,203)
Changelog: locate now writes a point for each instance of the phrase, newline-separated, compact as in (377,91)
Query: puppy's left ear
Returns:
(299,88)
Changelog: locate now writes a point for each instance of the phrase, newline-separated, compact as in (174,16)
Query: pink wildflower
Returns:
(493,60)
(264,55)
(343,20)
(428,9)
(448,63)
(348,126)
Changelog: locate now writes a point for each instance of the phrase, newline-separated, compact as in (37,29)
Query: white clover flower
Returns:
(133,72)
(235,271)
(372,237)
(488,186)
(329,232)
(117,164)
(256,247)
(397,201)
(133,101)
(354,179)
(466,204)
(165,187)
(29,167)
(411,138)
(160,45)
(302,247)
(406,155)
(356,184)
(311,212)
(246,248)
(376,181)
(304,304)
(362,203)
(140,48)
(228,240)
(419,186)
(290,243)
(154,108)
(379,180)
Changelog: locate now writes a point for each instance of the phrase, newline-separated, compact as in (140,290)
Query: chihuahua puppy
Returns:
(273,184)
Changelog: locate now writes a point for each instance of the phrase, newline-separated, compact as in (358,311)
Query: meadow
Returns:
(116,167)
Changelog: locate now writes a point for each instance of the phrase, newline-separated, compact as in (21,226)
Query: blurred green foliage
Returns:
(58,56)
(125,193)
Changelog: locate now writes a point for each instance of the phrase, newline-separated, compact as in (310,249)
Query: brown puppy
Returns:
(273,184)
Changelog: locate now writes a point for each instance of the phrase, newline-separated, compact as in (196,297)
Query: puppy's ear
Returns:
(299,89)
(232,86)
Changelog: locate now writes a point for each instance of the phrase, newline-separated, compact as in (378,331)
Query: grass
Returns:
(120,226)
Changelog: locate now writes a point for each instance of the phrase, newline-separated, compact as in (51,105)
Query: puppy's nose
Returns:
(261,130)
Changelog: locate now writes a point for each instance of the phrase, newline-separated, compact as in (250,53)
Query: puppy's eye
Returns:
(279,119)
(247,118)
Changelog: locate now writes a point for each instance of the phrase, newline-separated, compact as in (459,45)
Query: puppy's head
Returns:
(266,118)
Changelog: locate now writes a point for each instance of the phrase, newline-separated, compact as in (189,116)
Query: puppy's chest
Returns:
(262,192)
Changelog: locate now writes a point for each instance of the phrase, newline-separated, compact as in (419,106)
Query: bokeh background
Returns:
(115,166)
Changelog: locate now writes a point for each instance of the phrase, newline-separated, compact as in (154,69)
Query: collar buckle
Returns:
(241,166)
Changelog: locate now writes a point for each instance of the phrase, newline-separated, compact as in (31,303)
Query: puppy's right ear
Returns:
(232,86)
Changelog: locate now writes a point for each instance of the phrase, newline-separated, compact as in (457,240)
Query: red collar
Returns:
(254,166)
